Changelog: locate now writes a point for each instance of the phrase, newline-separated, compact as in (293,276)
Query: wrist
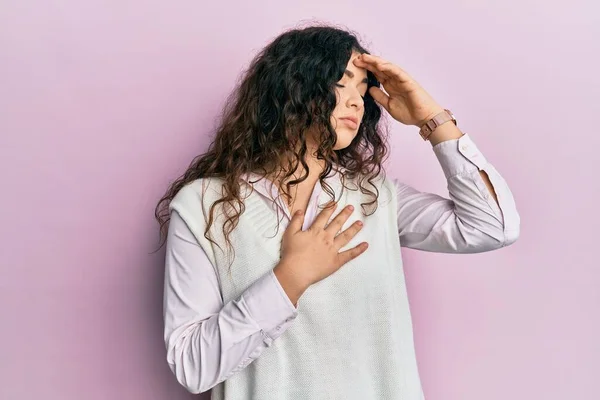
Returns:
(292,286)
(435,111)
(446,131)
(435,127)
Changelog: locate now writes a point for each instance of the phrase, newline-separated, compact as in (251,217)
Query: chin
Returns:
(343,140)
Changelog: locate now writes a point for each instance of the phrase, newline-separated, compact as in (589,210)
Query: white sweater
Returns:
(351,336)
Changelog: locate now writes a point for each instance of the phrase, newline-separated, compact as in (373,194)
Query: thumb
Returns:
(380,97)
(296,222)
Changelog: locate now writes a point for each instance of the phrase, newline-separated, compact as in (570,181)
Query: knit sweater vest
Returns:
(352,338)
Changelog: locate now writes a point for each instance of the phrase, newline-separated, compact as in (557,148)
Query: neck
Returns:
(315,166)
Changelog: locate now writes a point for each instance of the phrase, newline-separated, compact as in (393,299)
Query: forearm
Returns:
(208,341)
(448,131)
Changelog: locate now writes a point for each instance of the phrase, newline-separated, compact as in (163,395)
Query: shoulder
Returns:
(192,191)
(193,199)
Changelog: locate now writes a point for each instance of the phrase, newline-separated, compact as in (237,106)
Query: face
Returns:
(350,90)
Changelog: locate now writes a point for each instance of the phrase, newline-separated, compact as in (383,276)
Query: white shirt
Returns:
(217,336)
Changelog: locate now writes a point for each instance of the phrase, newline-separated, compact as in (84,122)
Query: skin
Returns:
(312,255)
(408,103)
(350,91)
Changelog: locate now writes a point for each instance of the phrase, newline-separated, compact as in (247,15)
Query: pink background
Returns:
(103,103)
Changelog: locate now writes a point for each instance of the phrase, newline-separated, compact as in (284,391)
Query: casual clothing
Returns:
(236,331)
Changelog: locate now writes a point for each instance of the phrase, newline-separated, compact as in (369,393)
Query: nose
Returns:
(355,101)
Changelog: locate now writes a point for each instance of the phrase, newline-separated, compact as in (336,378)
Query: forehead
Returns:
(353,71)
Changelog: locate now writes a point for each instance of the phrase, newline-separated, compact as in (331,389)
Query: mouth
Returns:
(352,122)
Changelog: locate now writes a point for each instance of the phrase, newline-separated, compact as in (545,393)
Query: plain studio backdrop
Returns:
(103,103)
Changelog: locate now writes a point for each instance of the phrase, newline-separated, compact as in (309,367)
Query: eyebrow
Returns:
(351,75)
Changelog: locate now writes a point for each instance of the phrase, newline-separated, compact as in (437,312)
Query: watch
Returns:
(436,121)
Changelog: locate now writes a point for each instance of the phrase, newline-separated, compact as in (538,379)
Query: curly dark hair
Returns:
(288,88)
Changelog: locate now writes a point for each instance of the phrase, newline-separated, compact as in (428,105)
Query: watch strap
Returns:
(437,120)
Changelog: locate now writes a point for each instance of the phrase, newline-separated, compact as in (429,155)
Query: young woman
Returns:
(273,292)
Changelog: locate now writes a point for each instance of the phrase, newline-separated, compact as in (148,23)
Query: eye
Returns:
(339,85)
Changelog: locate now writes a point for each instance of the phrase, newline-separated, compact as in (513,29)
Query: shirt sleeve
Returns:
(207,341)
(470,220)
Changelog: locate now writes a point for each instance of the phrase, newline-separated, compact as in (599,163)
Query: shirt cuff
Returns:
(268,305)
(459,156)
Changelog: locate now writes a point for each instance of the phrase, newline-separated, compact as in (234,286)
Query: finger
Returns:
(394,71)
(296,222)
(380,97)
(373,64)
(383,67)
(372,59)
(336,224)
(381,76)
(324,215)
(343,238)
(352,253)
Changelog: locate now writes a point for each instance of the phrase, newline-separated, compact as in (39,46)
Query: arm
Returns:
(464,223)
(470,220)
(450,131)
(207,341)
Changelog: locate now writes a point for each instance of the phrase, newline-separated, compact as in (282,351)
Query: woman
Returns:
(318,309)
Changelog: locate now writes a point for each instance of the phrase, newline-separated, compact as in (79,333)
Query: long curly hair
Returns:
(288,89)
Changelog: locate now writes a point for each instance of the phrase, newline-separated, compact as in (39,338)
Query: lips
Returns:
(350,121)
(353,119)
